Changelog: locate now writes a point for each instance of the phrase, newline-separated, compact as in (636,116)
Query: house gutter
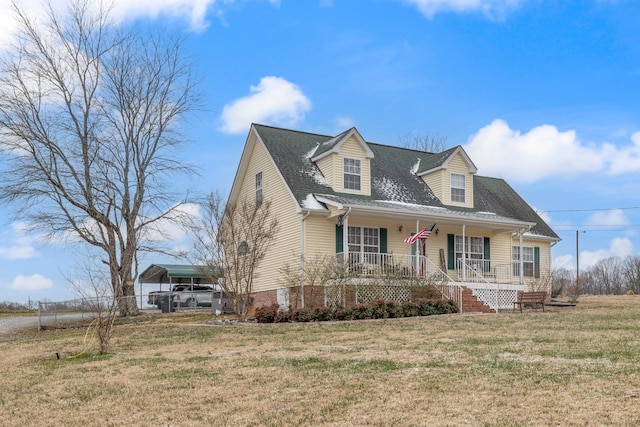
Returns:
(302,263)
(438,214)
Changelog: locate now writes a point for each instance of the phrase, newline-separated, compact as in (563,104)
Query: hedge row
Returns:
(375,310)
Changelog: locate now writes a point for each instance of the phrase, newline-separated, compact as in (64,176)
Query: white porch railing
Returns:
(369,264)
(484,270)
(495,284)
(384,264)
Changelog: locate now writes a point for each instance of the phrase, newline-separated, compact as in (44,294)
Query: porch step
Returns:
(472,304)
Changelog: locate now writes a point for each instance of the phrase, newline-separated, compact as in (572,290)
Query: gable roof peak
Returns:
(441,160)
(332,146)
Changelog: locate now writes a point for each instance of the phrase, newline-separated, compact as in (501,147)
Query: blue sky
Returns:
(541,93)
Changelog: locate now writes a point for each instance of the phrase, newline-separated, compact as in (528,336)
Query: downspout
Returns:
(302,265)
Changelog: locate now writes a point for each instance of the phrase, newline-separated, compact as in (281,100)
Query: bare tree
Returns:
(423,142)
(88,121)
(632,273)
(563,283)
(230,241)
(97,296)
(307,279)
(608,275)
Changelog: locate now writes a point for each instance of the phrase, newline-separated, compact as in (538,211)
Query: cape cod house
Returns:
(358,201)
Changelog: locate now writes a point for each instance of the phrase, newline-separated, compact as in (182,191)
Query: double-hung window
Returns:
(473,248)
(458,187)
(528,261)
(364,244)
(351,173)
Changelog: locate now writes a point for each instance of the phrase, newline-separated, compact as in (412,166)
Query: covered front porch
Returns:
(491,256)
(376,264)
(388,276)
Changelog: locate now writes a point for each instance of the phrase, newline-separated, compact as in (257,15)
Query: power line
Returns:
(589,210)
(592,226)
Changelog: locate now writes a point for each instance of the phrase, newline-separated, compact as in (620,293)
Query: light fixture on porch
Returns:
(437,231)
(400,229)
(340,218)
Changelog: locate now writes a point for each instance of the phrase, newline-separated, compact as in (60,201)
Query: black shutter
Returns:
(339,239)
(451,251)
(536,262)
(383,240)
(487,255)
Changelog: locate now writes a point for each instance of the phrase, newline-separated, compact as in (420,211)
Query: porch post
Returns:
(464,254)
(345,237)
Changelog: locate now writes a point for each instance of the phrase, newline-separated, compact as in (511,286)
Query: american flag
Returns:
(422,234)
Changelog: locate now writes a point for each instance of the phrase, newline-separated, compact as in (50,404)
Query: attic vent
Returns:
(416,167)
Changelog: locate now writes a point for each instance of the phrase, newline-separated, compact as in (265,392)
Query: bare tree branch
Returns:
(89,119)
(231,241)
(423,142)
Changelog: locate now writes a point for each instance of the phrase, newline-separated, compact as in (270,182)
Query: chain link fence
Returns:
(59,313)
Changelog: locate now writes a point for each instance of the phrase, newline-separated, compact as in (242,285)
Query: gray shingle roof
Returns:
(393,179)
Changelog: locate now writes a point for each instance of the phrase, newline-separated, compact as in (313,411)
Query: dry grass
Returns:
(570,367)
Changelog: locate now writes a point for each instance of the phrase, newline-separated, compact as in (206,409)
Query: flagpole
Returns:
(417,260)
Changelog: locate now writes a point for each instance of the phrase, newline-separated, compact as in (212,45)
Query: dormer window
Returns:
(458,188)
(351,174)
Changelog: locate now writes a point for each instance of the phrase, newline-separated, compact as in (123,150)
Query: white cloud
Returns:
(193,12)
(545,151)
(34,282)
(615,217)
(274,101)
(496,149)
(626,159)
(620,247)
(564,261)
(167,230)
(344,122)
(21,243)
(492,8)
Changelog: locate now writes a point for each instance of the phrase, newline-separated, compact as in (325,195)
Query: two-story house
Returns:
(358,201)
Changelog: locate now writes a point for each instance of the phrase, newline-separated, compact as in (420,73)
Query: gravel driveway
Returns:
(9,325)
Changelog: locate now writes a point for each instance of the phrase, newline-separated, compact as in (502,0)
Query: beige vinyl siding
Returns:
(435,181)
(459,166)
(319,236)
(283,207)
(326,166)
(501,252)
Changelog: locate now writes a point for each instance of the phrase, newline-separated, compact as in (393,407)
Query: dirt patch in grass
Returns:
(567,366)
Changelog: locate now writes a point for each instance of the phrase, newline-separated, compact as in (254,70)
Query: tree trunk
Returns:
(127,304)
